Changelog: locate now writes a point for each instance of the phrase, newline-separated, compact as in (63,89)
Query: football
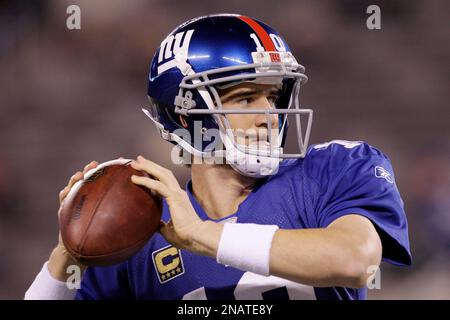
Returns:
(106,218)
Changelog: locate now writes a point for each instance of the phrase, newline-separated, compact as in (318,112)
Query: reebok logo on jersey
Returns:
(381,172)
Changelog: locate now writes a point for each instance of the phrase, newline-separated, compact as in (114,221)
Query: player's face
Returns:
(250,129)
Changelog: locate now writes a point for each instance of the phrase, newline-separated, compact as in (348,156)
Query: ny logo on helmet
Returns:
(172,46)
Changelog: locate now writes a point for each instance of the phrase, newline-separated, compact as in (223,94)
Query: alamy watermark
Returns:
(73,282)
(73,21)
(373,22)
(210,143)
(374,279)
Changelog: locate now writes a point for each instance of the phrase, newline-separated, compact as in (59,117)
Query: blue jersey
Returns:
(333,179)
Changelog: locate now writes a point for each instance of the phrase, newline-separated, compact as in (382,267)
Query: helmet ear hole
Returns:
(183,122)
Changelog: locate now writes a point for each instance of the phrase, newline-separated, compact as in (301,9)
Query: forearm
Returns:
(59,261)
(320,257)
(336,256)
(51,282)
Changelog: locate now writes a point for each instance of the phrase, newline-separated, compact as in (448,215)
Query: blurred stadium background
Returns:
(69,97)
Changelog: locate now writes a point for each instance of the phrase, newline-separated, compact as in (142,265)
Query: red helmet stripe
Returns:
(260,32)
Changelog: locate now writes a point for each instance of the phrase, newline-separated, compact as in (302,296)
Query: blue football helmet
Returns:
(206,54)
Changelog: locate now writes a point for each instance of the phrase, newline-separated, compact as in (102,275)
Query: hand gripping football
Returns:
(106,218)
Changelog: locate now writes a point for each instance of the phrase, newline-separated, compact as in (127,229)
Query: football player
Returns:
(253,222)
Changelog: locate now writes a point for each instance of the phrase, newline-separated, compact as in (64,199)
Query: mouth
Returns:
(261,143)
(258,139)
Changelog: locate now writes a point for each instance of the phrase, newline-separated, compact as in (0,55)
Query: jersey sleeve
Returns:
(355,178)
(104,283)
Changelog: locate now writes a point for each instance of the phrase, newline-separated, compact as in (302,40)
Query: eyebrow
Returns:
(247,91)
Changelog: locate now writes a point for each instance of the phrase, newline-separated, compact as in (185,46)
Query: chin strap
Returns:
(250,165)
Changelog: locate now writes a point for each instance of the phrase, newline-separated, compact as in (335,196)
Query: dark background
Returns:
(71,96)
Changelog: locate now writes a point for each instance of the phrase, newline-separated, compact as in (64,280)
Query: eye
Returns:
(244,101)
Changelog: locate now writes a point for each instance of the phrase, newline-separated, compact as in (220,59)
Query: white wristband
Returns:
(246,246)
(45,287)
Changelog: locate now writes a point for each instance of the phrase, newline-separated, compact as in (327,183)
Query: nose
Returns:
(262,119)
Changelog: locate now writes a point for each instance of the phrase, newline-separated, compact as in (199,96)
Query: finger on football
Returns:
(73,179)
(77,176)
(89,166)
(152,168)
(63,193)
(166,172)
(152,184)
(141,159)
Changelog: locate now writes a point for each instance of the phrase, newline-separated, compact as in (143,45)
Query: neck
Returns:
(219,189)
